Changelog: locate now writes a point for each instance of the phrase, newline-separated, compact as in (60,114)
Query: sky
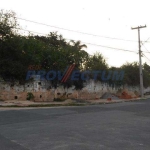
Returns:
(108,18)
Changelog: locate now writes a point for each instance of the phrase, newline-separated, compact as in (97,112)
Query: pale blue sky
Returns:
(112,18)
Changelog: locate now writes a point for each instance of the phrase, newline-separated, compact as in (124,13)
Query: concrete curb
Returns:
(22,104)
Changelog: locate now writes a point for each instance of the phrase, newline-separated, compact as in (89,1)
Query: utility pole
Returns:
(140,60)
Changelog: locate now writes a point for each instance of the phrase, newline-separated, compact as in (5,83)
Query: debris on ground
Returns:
(109,96)
(125,94)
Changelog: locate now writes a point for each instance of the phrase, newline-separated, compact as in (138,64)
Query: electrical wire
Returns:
(109,47)
(75,30)
(145,47)
(146,57)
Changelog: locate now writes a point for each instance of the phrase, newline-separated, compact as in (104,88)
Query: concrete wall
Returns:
(43,92)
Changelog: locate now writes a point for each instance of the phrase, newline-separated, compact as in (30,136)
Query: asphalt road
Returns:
(122,126)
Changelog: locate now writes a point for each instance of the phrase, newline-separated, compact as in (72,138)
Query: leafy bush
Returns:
(30,96)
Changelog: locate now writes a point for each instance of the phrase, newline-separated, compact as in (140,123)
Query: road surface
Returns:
(120,126)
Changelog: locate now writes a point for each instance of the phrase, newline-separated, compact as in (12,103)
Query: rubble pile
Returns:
(109,96)
(125,94)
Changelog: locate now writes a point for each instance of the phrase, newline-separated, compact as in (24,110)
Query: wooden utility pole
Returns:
(140,60)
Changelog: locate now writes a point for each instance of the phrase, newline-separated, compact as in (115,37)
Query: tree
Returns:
(96,62)
(77,45)
(131,76)
(8,24)
(17,52)
(146,75)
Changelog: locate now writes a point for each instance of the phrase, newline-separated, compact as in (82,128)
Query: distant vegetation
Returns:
(51,52)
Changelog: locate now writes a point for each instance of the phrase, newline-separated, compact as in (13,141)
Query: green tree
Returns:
(77,45)
(96,62)
(131,76)
(146,75)
(8,24)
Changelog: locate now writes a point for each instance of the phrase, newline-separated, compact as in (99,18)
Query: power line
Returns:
(31,31)
(84,42)
(146,57)
(109,47)
(146,40)
(75,30)
(145,52)
(144,47)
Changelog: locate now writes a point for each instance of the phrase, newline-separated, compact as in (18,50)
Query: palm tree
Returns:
(78,45)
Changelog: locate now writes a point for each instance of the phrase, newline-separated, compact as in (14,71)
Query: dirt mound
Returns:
(108,95)
(125,94)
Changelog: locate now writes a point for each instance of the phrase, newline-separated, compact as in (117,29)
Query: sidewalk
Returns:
(68,102)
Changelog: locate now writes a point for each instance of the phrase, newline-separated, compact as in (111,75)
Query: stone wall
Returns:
(42,91)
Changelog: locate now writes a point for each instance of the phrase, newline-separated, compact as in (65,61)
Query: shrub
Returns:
(30,96)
